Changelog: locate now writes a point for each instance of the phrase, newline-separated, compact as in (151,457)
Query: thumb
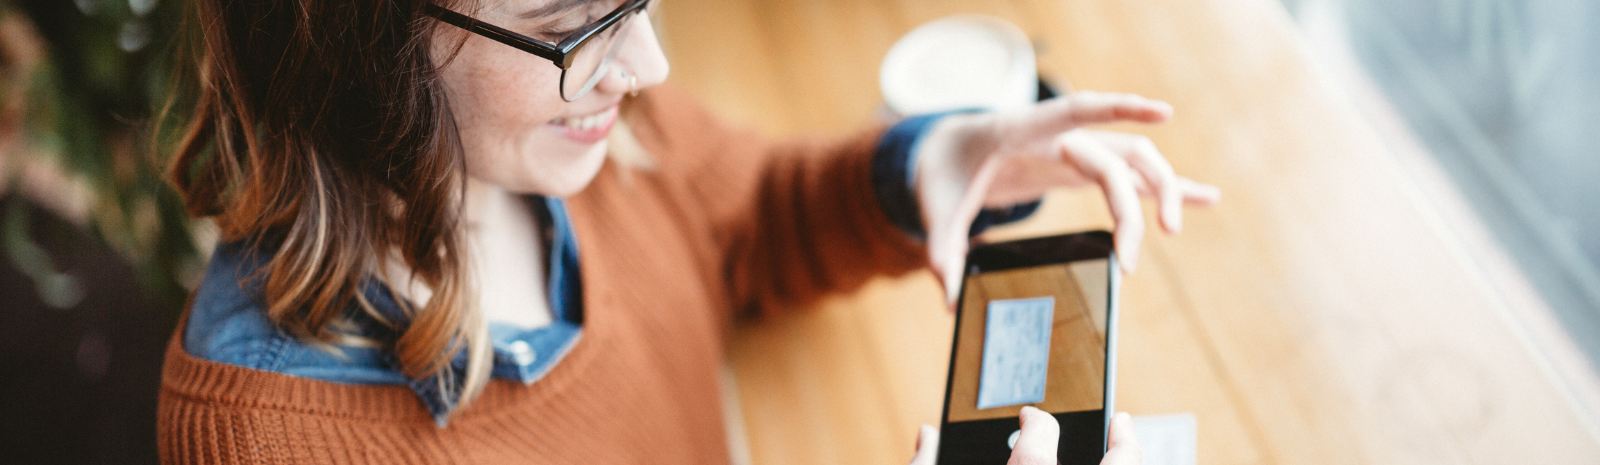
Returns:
(1039,438)
(949,259)
(947,239)
(927,446)
(1122,448)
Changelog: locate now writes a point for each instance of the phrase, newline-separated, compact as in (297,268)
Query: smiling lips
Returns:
(587,129)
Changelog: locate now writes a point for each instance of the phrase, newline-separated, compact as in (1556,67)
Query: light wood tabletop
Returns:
(1337,307)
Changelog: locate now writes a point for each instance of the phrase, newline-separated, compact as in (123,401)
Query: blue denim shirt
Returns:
(228,323)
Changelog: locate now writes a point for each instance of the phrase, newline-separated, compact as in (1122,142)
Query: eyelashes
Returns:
(568,25)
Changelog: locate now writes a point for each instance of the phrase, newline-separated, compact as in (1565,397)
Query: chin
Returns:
(573,177)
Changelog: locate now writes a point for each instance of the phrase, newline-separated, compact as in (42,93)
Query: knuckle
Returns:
(1130,220)
(1147,148)
(1072,136)
(1134,224)
(1119,175)
(1143,143)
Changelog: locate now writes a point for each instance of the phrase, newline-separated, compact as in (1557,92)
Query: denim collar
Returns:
(228,324)
(523,355)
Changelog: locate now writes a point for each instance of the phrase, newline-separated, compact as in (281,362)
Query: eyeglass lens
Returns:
(592,60)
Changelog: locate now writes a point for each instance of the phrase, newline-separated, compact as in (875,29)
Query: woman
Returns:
(428,255)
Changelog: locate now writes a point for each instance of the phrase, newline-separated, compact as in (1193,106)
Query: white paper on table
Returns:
(1167,439)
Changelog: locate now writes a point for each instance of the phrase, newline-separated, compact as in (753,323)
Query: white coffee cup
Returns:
(959,62)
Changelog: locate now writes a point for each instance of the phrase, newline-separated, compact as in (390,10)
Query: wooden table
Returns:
(1339,307)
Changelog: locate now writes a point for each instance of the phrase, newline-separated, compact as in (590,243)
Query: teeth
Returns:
(584,123)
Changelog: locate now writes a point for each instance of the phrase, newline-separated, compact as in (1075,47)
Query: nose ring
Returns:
(633,82)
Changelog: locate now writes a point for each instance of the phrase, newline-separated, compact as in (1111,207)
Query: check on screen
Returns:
(1016,351)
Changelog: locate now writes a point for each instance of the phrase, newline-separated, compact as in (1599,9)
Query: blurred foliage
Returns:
(106,70)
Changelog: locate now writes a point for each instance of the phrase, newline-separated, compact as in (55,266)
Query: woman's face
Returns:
(517,132)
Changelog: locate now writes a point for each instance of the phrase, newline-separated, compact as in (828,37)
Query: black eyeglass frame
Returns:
(560,54)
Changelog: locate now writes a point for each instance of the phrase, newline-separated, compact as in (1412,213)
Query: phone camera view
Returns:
(1030,336)
(1038,338)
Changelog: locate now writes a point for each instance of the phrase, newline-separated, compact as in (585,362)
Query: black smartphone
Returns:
(1036,324)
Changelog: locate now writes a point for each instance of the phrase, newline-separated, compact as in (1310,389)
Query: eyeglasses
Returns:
(584,56)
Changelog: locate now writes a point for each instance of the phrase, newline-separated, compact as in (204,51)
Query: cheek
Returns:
(494,88)
(503,99)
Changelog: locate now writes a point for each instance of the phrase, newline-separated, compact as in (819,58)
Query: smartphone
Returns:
(1036,324)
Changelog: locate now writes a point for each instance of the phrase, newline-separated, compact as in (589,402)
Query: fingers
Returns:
(1122,448)
(1116,179)
(1156,176)
(1142,155)
(1085,108)
(1198,193)
(1101,107)
(927,446)
(1088,107)
(1037,443)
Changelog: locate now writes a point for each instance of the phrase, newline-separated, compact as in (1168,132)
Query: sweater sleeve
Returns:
(793,221)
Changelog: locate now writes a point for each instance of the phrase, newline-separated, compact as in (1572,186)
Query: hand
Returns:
(1037,443)
(970,161)
(1035,446)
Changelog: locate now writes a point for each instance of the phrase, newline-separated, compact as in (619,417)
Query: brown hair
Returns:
(320,129)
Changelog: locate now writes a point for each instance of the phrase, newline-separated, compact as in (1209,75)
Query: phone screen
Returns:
(1031,335)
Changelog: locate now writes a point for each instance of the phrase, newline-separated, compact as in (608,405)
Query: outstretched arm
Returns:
(970,161)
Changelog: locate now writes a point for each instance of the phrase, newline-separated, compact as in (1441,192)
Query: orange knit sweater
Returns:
(721,225)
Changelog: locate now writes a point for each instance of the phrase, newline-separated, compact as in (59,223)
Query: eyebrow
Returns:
(554,7)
